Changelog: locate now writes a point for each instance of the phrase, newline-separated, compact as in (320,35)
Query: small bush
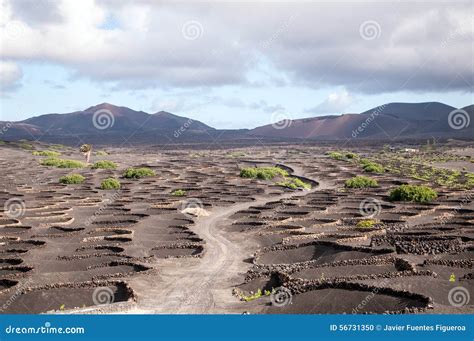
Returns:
(61,163)
(351,155)
(137,173)
(71,164)
(263,173)
(178,193)
(361,182)
(469,180)
(250,173)
(294,183)
(367,223)
(336,155)
(101,153)
(2,143)
(51,162)
(255,296)
(372,167)
(72,179)
(48,153)
(415,193)
(110,183)
(104,165)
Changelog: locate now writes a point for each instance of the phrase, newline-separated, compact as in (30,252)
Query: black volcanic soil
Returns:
(338,301)
(249,235)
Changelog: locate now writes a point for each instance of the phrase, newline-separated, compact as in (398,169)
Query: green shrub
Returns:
(250,173)
(367,223)
(136,173)
(48,153)
(361,182)
(372,167)
(72,179)
(52,162)
(2,143)
(336,155)
(469,180)
(61,163)
(104,164)
(71,164)
(178,193)
(351,155)
(263,173)
(294,183)
(110,183)
(101,153)
(255,296)
(413,193)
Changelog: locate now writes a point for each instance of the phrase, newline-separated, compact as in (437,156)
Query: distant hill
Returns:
(110,124)
(388,121)
(106,122)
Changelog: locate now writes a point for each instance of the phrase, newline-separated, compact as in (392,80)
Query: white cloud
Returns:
(310,44)
(335,103)
(10,76)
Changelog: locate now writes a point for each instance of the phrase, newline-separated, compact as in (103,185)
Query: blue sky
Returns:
(193,61)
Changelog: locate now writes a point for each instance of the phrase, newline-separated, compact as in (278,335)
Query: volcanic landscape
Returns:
(200,235)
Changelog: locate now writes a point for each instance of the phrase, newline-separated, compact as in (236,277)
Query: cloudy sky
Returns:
(233,64)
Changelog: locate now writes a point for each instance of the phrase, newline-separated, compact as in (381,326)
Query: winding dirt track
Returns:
(197,286)
(201,285)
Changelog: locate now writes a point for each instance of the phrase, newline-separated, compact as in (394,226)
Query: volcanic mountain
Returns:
(388,121)
(106,122)
(110,124)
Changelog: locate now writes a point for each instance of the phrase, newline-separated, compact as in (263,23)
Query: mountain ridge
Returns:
(109,122)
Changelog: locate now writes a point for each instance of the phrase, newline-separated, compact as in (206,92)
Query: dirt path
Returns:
(197,286)
(201,285)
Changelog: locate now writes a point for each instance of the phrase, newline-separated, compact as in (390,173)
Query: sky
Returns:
(236,64)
